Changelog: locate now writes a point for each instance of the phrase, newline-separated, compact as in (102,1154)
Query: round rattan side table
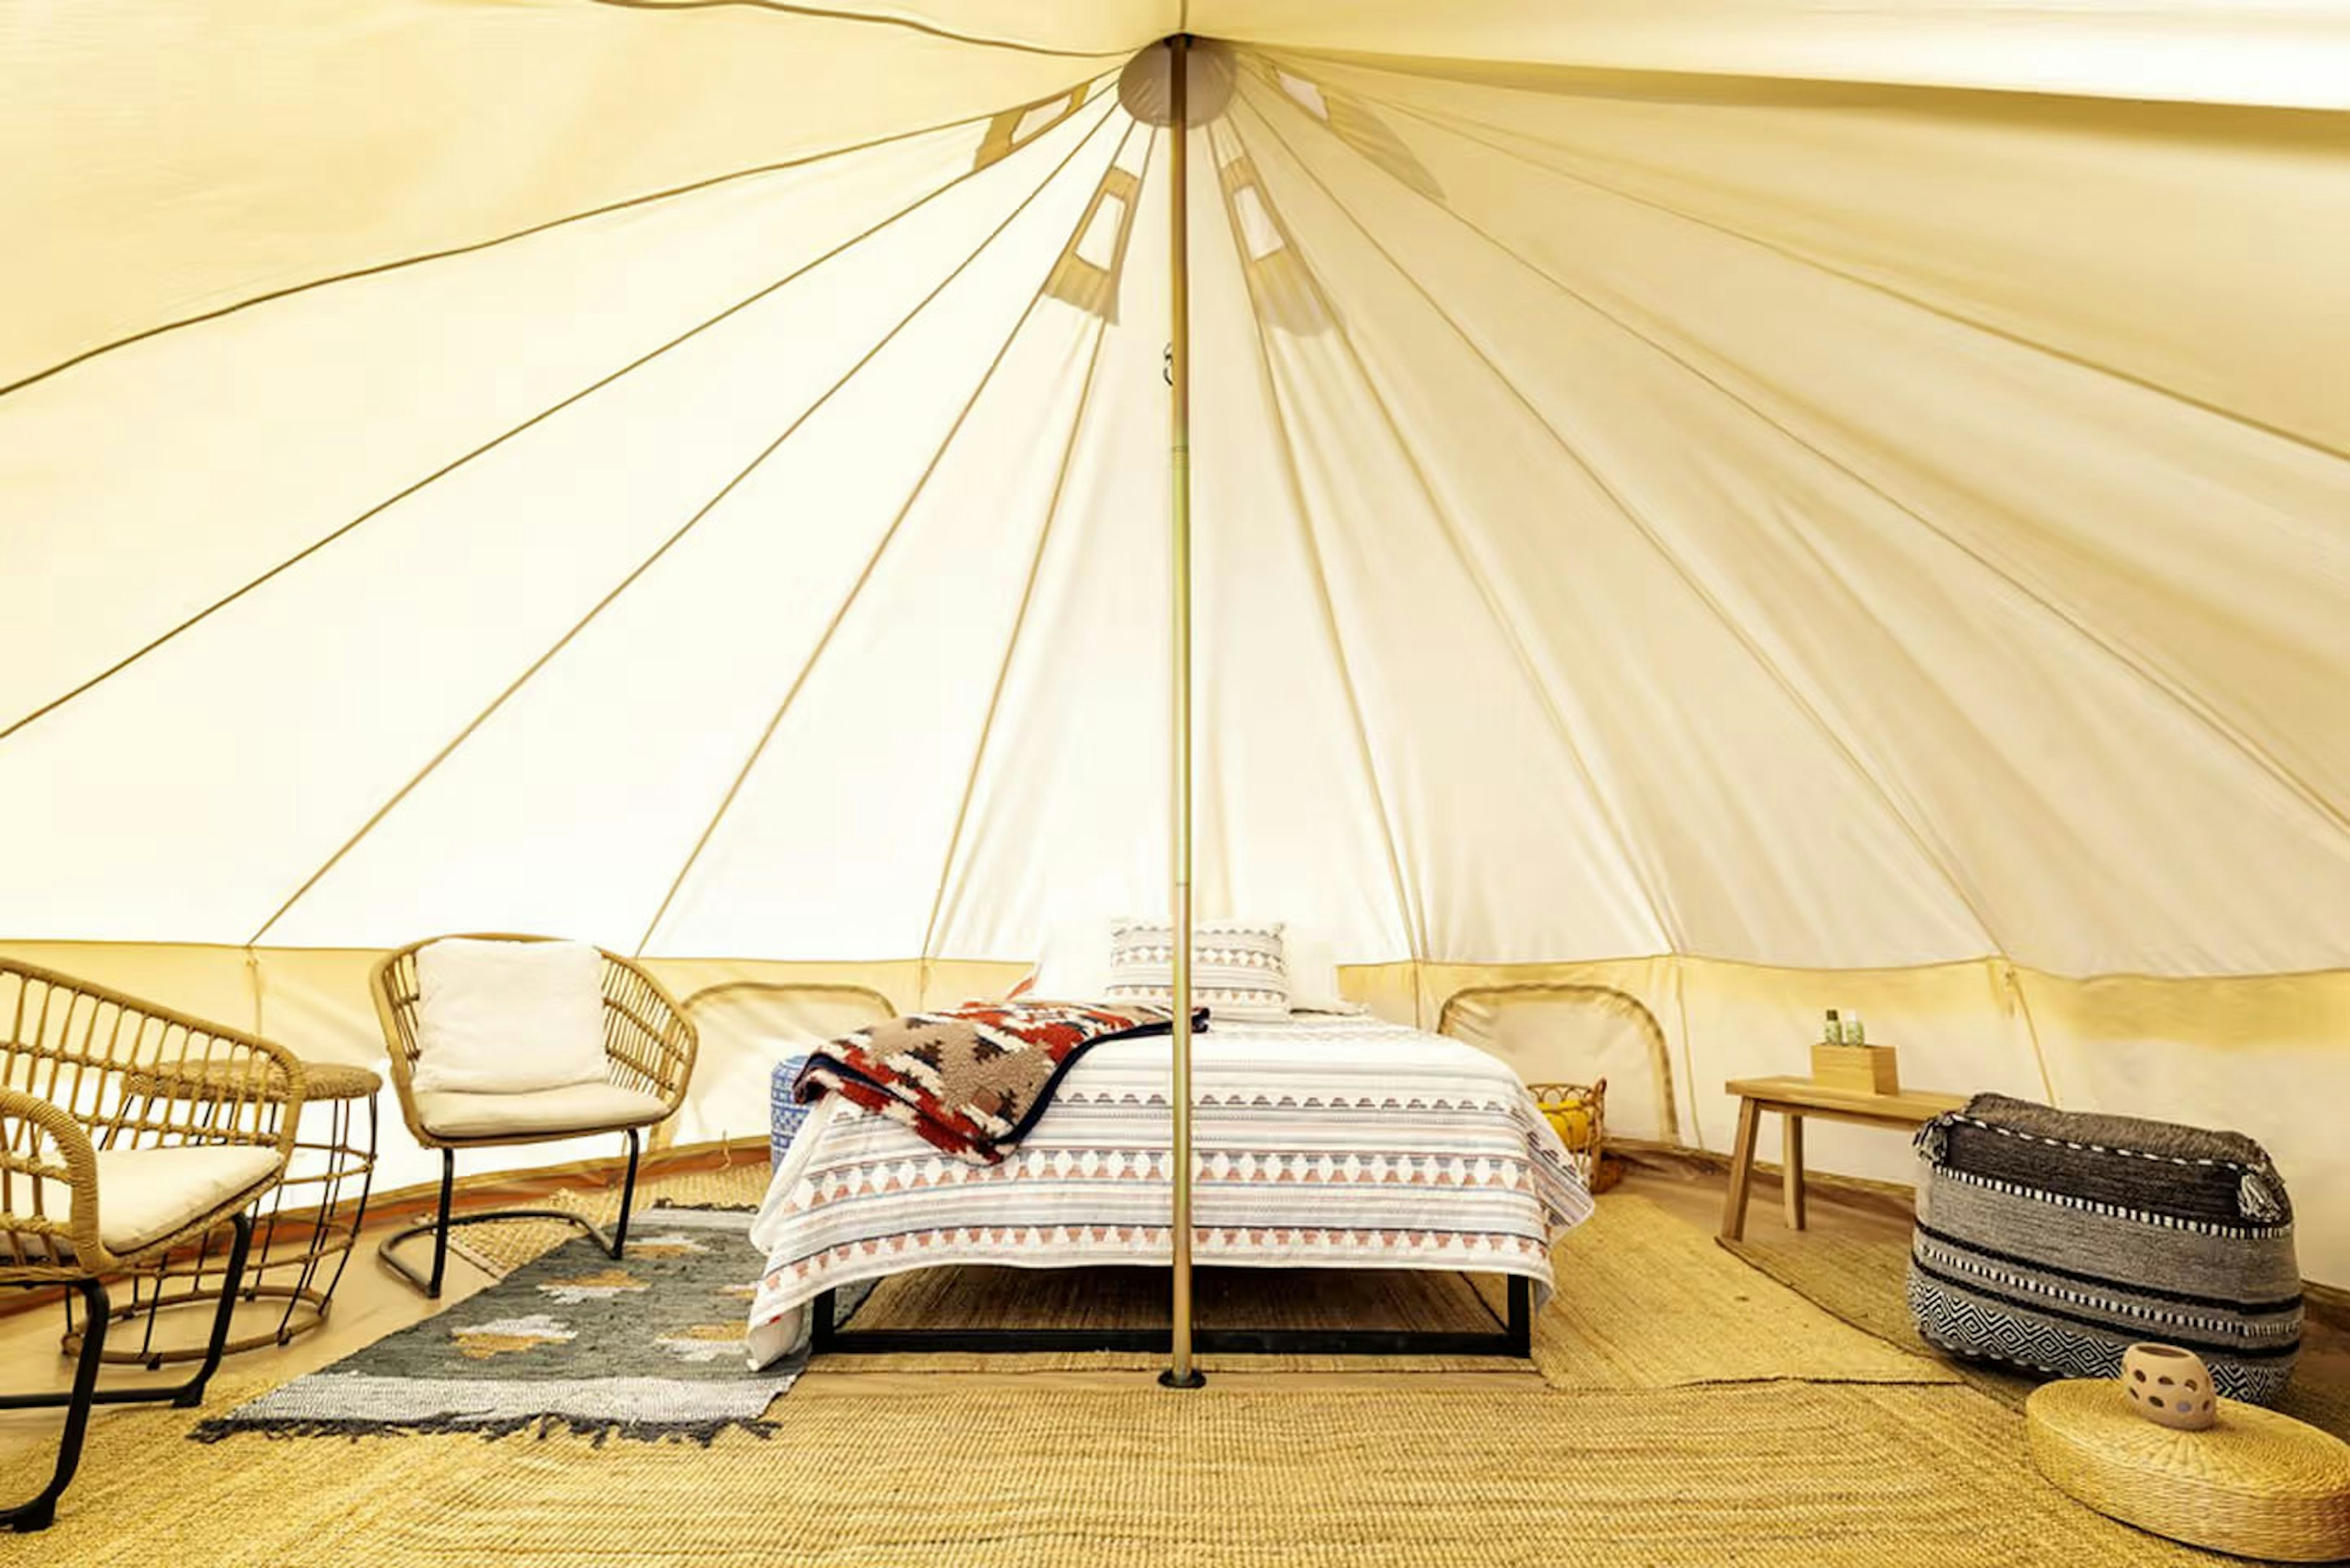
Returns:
(303,1229)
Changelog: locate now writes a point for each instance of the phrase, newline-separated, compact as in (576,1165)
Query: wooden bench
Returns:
(1795,1099)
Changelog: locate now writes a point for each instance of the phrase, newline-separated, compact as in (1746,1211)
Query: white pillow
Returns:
(1239,972)
(1314,974)
(507,1018)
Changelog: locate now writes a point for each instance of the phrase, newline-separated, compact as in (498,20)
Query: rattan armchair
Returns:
(650,1047)
(127,1131)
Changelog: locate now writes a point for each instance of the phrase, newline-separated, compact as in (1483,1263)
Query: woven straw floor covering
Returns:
(1616,1327)
(503,1246)
(1042,1476)
(1136,1298)
(1860,1283)
(1644,1459)
(1644,1444)
(1617,1321)
(1646,1301)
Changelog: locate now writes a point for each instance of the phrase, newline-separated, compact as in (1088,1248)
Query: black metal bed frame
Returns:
(1514,1337)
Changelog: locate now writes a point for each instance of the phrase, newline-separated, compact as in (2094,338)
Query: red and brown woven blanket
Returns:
(972,1080)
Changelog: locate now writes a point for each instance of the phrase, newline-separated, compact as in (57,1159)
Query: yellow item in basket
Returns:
(1574,1123)
(1578,1112)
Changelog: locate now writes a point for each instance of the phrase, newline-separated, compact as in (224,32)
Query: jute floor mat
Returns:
(503,1246)
(1401,1472)
(1645,1300)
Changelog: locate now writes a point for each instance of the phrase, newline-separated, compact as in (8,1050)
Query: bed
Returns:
(1319,1142)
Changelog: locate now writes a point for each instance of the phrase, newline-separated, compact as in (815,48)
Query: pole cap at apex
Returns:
(1142,85)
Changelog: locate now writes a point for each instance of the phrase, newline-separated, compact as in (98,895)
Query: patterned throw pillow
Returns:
(1239,972)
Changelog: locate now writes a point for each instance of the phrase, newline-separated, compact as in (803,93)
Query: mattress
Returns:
(1321,1142)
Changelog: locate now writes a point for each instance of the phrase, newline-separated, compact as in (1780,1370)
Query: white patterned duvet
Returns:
(1318,1143)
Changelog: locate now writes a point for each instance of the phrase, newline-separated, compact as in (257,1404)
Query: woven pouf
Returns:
(2058,1238)
(2256,1483)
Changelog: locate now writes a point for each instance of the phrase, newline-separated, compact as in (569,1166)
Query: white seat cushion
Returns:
(575,1107)
(146,1194)
(497,1017)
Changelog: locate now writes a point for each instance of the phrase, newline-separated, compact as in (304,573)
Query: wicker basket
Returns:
(1578,1112)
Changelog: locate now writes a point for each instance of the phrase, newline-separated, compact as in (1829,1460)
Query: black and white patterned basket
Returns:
(2057,1239)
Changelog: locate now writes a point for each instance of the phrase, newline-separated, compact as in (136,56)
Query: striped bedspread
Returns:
(1317,1143)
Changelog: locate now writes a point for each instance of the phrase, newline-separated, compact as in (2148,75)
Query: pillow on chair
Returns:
(507,1018)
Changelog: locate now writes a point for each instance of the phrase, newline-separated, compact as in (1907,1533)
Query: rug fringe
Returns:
(540,1424)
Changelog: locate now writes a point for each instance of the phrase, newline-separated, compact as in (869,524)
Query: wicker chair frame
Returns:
(649,1045)
(85,1069)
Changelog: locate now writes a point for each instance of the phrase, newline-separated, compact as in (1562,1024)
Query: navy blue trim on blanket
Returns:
(1052,1088)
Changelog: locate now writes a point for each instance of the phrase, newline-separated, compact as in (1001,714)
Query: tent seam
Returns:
(873,561)
(2178,693)
(1689,1054)
(2014,984)
(1466,70)
(646,564)
(1452,531)
(471,247)
(1454,123)
(1019,619)
(156,643)
(1966,960)
(909,24)
(1414,919)
(1705,596)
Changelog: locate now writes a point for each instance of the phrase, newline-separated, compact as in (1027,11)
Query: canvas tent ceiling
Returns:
(1765,488)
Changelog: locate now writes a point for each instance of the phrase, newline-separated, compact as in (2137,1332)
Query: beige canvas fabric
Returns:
(1798,507)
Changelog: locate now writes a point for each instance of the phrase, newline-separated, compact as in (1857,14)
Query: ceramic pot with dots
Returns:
(2169,1386)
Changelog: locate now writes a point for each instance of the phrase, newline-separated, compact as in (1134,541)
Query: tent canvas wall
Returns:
(1756,507)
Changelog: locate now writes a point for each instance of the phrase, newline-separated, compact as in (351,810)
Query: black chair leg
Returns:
(441,1223)
(190,1394)
(444,1222)
(627,1196)
(42,1511)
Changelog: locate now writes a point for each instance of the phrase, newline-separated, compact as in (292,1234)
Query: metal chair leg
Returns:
(441,1224)
(443,1221)
(42,1511)
(627,1196)
(190,1394)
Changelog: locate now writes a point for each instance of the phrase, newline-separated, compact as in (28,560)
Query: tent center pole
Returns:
(1181,1373)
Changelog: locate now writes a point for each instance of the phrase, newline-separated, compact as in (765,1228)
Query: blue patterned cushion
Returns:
(785,1114)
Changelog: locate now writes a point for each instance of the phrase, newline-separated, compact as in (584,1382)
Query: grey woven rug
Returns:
(649,1347)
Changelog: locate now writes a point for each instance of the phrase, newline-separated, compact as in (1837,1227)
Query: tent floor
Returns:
(371,1302)
(1564,1454)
